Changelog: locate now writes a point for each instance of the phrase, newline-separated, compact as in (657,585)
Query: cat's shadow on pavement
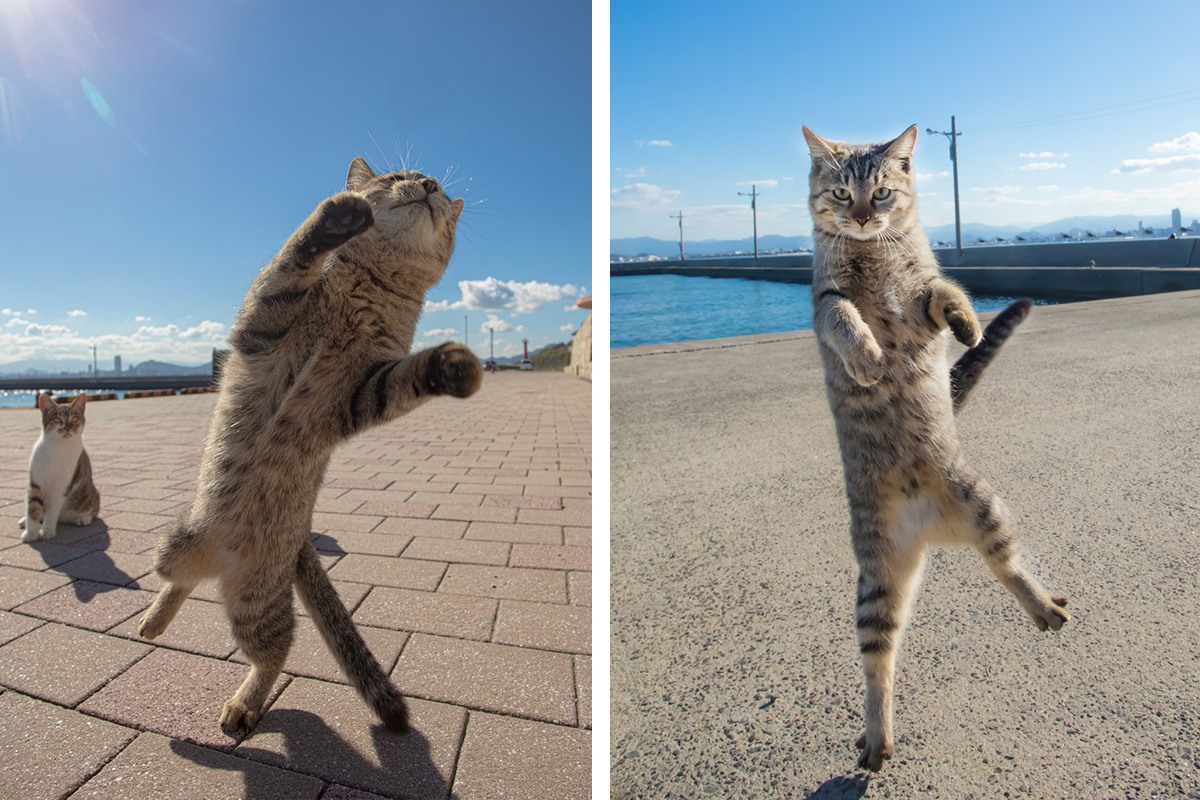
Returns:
(843,787)
(308,739)
(91,573)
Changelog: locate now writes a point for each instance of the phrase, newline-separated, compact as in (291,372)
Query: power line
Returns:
(1096,113)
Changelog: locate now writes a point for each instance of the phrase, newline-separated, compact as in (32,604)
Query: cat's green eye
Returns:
(841,194)
(882,193)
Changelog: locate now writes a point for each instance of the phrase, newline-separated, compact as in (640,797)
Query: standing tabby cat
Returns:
(320,352)
(60,472)
(881,309)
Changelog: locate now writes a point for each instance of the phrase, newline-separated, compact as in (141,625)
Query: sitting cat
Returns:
(320,353)
(882,308)
(60,472)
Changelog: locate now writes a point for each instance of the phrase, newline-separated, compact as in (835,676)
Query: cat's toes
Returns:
(965,327)
(235,717)
(455,370)
(341,218)
(873,753)
(150,626)
(29,535)
(865,368)
(1051,617)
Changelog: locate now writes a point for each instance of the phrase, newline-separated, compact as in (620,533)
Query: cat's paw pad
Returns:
(866,367)
(340,219)
(235,717)
(873,753)
(1051,616)
(455,370)
(964,326)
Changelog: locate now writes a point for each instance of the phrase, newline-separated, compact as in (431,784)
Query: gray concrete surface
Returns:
(734,666)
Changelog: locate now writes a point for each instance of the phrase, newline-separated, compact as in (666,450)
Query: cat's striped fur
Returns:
(320,353)
(881,311)
(60,472)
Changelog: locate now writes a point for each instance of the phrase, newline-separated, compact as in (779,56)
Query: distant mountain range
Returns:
(667,248)
(77,368)
(648,246)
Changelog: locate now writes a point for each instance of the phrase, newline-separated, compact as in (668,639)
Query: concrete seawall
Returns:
(1044,271)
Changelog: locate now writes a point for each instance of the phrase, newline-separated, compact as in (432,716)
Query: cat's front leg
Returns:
(840,327)
(949,307)
(400,386)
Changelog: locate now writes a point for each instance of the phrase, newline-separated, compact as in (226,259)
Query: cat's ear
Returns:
(359,175)
(457,207)
(821,150)
(45,402)
(79,401)
(902,146)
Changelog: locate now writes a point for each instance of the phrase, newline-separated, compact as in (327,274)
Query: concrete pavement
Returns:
(735,671)
(459,537)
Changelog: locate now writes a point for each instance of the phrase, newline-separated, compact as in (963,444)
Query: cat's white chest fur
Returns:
(53,462)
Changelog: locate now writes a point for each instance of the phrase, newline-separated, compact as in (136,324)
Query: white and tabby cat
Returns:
(60,472)
(881,311)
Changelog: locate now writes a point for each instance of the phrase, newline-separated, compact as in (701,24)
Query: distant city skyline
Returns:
(1083,134)
(155,156)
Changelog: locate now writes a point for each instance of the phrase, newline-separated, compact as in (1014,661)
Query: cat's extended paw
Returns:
(235,717)
(454,370)
(865,366)
(965,326)
(1052,616)
(339,219)
(30,534)
(873,753)
(152,624)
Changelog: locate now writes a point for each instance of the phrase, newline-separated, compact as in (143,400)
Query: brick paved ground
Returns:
(459,536)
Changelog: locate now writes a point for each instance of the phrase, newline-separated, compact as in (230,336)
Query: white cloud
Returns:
(642,196)
(924,176)
(77,313)
(640,172)
(34,329)
(654,143)
(15,321)
(31,311)
(567,327)
(1142,166)
(494,323)
(789,179)
(1188,142)
(147,331)
(997,189)
(492,294)
(206,329)
(1050,187)
(8,312)
(439,333)
(140,318)
(1044,165)
(767,183)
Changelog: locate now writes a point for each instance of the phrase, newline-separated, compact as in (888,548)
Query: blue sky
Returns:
(154,156)
(708,97)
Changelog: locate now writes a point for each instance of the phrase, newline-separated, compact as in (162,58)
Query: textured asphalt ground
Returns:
(734,666)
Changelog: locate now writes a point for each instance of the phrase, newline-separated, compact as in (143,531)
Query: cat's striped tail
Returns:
(967,370)
(346,643)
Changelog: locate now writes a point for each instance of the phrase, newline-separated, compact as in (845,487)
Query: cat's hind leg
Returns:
(185,557)
(890,565)
(980,517)
(259,608)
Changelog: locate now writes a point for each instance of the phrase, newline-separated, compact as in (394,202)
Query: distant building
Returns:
(1176,219)
(117,364)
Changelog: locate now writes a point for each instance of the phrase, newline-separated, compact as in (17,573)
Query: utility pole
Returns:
(95,367)
(492,357)
(753,195)
(680,218)
(953,135)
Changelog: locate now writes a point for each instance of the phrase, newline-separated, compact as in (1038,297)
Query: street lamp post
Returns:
(753,195)
(680,218)
(953,135)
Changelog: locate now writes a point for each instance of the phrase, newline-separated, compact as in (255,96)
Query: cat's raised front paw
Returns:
(964,326)
(865,366)
(454,370)
(339,219)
